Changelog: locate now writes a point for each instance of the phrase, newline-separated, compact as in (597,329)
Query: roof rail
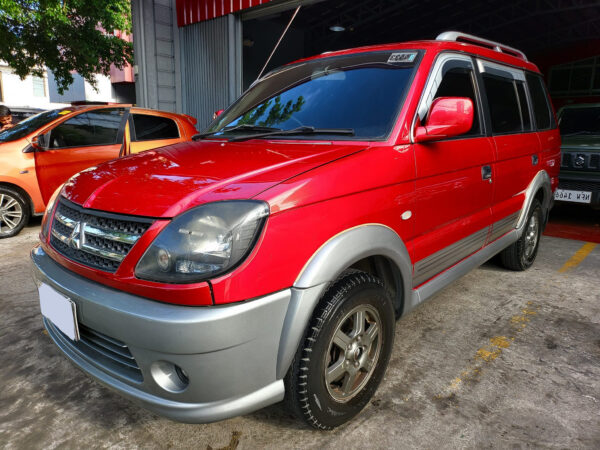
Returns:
(470,39)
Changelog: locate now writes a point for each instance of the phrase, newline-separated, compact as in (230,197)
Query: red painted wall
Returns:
(193,11)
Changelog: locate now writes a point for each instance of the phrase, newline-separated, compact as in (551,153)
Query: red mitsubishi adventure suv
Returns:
(271,258)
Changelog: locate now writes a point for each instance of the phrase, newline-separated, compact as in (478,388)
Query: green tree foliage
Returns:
(278,113)
(65,36)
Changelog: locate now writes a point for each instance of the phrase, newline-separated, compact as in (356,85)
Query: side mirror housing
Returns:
(448,117)
(39,143)
(217,113)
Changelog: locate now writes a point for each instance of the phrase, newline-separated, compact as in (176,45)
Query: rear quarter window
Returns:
(149,128)
(542,112)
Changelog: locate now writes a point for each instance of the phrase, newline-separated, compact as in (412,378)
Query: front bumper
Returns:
(230,353)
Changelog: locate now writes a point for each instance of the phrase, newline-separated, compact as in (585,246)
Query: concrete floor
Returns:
(499,359)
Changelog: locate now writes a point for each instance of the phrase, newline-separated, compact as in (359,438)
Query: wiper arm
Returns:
(294,131)
(243,127)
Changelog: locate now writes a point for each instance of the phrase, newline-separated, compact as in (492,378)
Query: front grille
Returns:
(580,161)
(104,351)
(94,238)
(589,186)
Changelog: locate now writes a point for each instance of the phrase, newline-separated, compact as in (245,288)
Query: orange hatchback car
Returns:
(39,154)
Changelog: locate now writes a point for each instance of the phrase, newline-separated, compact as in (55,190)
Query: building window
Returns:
(39,87)
(576,78)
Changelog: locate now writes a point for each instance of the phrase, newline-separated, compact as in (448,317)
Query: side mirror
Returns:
(448,117)
(40,142)
(217,113)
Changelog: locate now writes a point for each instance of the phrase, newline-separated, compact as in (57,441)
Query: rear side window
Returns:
(148,128)
(100,127)
(503,103)
(541,107)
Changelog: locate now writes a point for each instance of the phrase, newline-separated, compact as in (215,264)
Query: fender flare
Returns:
(540,182)
(326,264)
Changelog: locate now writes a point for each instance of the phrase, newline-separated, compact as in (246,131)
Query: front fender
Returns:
(328,262)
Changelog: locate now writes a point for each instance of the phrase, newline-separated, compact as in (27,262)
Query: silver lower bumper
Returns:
(230,353)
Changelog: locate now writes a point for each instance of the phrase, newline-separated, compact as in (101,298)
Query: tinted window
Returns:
(458,82)
(29,125)
(539,100)
(524,106)
(503,104)
(580,121)
(154,127)
(99,127)
(363,92)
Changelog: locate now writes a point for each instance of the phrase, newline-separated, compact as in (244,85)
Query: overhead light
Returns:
(337,28)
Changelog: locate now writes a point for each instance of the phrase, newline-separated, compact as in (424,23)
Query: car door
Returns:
(515,140)
(151,131)
(453,186)
(81,141)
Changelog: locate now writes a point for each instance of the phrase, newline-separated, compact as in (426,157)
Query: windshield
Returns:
(361,92)
(580,121)
(29,125)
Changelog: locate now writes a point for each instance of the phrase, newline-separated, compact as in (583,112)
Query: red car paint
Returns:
(317,189)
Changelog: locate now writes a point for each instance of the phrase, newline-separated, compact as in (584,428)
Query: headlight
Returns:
(49,209)
(204,242)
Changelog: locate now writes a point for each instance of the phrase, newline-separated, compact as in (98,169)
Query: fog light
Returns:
(169,376)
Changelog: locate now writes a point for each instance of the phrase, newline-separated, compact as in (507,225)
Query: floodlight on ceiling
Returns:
(337,28)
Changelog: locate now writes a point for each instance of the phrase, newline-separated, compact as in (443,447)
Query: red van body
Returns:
(415,209)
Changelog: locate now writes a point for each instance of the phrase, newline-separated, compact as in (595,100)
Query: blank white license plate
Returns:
(566,195)
(61,311)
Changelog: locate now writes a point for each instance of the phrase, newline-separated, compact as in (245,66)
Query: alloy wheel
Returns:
(531,236)
(353,353)
(11,213)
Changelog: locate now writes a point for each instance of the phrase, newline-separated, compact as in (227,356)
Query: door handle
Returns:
(486,173)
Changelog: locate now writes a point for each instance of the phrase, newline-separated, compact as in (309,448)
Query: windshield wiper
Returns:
(294,131)
(241,127)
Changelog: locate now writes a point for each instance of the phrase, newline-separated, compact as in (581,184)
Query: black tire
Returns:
(324,404)
(520,255)
(14,212)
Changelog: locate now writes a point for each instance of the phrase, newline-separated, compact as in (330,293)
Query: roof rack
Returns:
(470,39)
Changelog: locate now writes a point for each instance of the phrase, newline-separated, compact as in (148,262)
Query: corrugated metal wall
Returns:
(211,66)
(155,36)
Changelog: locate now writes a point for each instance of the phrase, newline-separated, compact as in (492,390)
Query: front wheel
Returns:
(14,212)
(521,254)
(344,353)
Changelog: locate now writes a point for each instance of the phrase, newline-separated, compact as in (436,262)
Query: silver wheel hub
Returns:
(10,213)
(353,353)
(531,236)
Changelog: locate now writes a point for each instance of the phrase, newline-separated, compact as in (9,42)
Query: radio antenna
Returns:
(278,42)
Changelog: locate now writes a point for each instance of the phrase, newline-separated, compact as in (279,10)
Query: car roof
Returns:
(436,46)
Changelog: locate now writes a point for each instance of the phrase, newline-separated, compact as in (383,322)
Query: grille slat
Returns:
(579,185)
(580,161)
(93,238)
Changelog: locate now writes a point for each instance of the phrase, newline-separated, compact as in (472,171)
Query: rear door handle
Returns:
(486,173)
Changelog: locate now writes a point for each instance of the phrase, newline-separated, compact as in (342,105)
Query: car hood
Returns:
(166,181)
(581,143)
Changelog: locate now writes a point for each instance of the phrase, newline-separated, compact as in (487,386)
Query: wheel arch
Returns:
(23,193)
(540,188)
(374,248)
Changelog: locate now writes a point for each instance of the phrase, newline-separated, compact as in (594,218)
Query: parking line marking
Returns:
(578,257)
(488,353)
